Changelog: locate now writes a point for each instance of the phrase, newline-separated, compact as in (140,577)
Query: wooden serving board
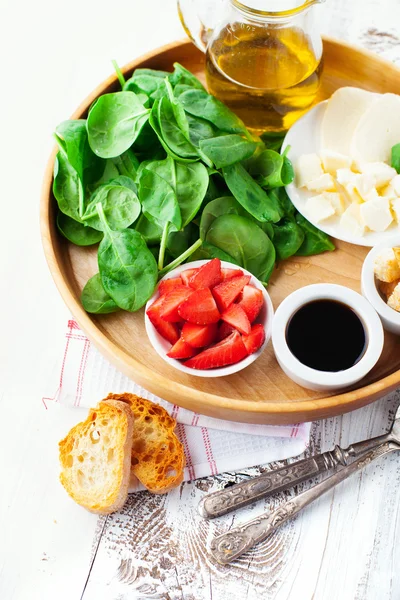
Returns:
(262,393)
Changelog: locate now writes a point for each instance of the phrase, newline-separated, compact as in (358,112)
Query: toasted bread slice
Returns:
(386,267)
(158,458)
(394,298)
(95,458)
(387,289)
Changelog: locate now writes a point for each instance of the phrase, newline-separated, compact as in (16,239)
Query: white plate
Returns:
(304,138)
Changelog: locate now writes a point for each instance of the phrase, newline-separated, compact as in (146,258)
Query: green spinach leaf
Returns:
(271,170)
(315,241)
(77,233)
(182,76)
(288,237)
(128,269)
(114,123)
(127,164)
(95,299)
(396,157)
(67,188)
(199,103)
(120,206)
(227,150)
(248,245)
(250,195)
(208,251)
(72,139)
(151,232)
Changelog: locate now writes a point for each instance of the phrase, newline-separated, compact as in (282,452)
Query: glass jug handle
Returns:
(199,18)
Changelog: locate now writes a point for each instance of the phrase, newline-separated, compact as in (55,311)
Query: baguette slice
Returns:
(158,459)
(95,458)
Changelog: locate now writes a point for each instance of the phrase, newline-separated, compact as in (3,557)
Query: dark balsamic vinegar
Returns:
(326,335)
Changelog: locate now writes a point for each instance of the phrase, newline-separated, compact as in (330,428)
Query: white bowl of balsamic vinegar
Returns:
(326,337)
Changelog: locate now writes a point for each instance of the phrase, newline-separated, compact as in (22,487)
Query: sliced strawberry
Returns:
(231,350)
(168,285)
(226,292)
(181,350)
(255,340)
(199,308)
(207,276)
(251,301)
(169,331)
(199,336)
(237,318)
(172,301)
(223,331)
(230,273)
(187,275)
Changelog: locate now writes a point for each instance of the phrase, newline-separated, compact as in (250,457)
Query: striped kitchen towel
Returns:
(212,446)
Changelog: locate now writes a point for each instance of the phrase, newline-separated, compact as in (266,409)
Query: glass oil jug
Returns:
(263,57)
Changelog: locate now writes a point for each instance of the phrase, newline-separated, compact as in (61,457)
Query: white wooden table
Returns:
(346,546)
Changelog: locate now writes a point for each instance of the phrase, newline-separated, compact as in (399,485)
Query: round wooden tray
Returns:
(261,393)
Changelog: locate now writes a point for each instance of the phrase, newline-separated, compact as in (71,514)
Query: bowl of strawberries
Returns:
(209,318)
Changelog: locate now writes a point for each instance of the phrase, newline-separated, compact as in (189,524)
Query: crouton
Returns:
(386,266)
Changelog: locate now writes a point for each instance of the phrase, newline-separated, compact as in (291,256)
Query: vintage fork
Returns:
(241,494)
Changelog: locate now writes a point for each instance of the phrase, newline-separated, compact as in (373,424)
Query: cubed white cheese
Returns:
(308,168)
(337,200)
(381,173)
(352,194)
(352,222)
(364,184)
(395,185)
(332,161)
(324,183)
(372,195)
(345,176)
(376,214)
(319,208)
(395,205)
(388,192)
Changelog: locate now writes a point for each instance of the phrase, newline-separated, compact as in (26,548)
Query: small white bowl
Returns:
(323,380)
(390,318)
(162,346)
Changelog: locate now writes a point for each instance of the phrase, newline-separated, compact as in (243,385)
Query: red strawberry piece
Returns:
(168,331)
(230,273)
(237,318)
(199,308)
(252,301)
(187,275)
(181,350)
(223,331)
(207,276)
(199,336)
(255,340)
(231,350)
(172,301)
(168,285)
(226,292)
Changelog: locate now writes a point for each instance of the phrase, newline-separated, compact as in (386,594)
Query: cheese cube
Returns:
(352,194)
(319,208)
(351,220)
(395,185)
(388,192)
(372,195)
(395,205)
(332,161)
(337,200)
(308,168)
(386,266)
(376,214)
(324,183)
(345,176)
(363,184)
(381,173)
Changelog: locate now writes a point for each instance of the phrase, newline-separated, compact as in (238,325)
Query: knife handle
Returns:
(241,494)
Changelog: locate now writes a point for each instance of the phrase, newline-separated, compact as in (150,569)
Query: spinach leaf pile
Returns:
(162,172)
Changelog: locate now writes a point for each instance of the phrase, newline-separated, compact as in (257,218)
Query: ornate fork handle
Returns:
(244,493)
(239,540)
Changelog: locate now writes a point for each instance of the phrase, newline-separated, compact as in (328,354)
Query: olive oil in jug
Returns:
(269,76)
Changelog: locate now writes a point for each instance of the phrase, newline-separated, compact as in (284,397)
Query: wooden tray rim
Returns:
(313,409)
